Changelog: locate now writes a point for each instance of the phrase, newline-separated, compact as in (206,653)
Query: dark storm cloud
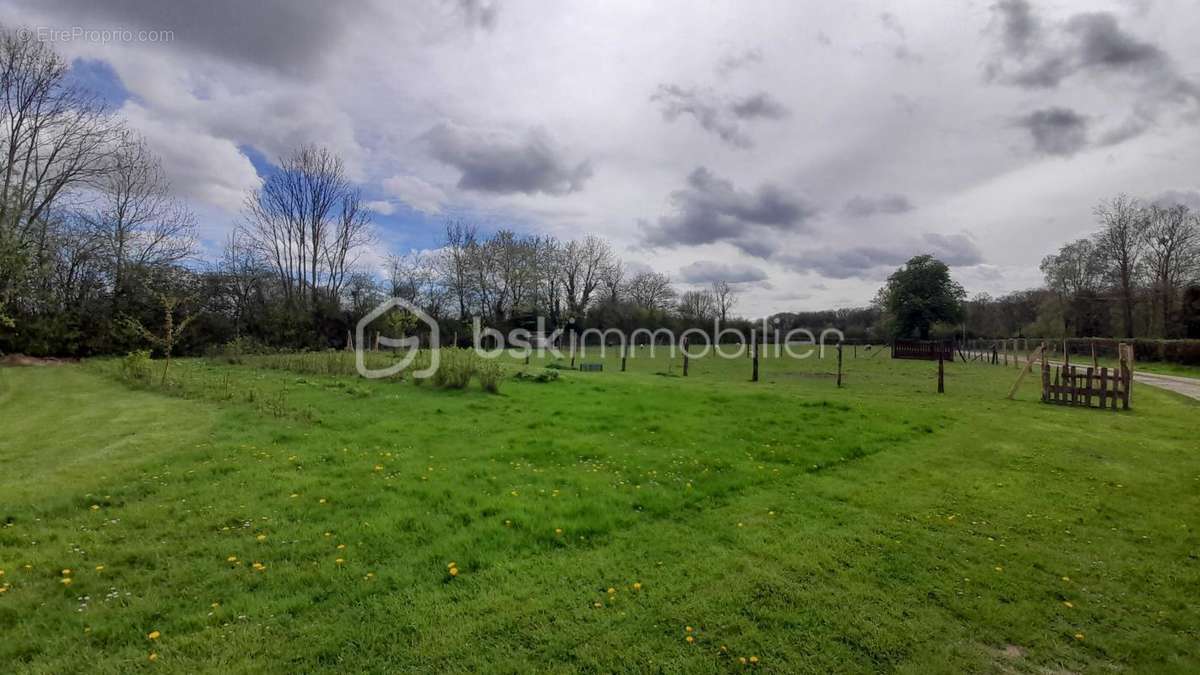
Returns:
(714,114)
(1103,45)
(480,13)
(1093,43)
(1056,131)
(708,271)
(860,206)
(709,210)
(506,163)
(732,62)
(282,35)
(758,105)
(867,262)
(1019,27)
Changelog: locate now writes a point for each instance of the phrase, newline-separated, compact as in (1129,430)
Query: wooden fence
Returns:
(923,350)
(1089,387)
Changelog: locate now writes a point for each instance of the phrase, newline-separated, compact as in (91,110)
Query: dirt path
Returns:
(1188,386)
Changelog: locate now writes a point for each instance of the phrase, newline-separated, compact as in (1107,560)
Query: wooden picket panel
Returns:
(1090,388)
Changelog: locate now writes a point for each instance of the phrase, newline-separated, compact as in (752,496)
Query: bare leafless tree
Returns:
(456,268)
(1172,252)
(697,306)
(54,137)
(135,215)
(724,298)
(1120,244)
(308,224)
(581,267)
(651,290)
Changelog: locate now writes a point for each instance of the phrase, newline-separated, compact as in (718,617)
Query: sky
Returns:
(802,150)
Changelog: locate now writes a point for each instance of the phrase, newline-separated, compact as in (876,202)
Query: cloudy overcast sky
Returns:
(801,149)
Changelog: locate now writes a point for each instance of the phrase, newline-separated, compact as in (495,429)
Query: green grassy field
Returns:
(249,519)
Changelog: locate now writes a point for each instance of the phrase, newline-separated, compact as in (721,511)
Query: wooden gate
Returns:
(1089,387)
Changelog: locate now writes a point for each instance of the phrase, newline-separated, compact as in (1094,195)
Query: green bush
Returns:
(135,367)
(490,374)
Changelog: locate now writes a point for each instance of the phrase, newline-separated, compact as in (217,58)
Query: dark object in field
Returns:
(591,367)
(923,350)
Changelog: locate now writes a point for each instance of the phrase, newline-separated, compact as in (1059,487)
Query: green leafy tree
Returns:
(919,295)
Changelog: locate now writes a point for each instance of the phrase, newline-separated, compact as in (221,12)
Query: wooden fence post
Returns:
(624,354)
(685,357)
(839,374)
(941,374)
(754,356)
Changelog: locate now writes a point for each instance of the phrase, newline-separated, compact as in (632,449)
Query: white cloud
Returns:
(415,192)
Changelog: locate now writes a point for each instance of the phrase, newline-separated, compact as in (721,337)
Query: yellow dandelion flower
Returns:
(688,628)
(753,659)
(597,604)
(66,573)
(321,500)
(1066,579)
(742,660)
(452,564)
(611,590)
(99,568)
(215,605)
(508,523)
(637,585)
(95,507)
(154,635)
(294,495)
(66,581)
(340,561)
(1,573)
(153,657)
(1068,604)
(558,531)
(453,571)
(690,639)
(4,589)
(258,567)
(232,558)
(341,546)
(261,537)
(1079,636)
(379,467)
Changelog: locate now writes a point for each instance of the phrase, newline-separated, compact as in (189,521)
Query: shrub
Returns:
(490,374)
(135,367)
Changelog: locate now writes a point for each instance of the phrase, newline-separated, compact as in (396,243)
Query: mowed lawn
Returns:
(256,520)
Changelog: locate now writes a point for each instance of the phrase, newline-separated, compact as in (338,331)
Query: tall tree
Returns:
(54,137)
(309,224)
(581,269)
(724,298)
(1120,243)
(920,294)
(1172,256)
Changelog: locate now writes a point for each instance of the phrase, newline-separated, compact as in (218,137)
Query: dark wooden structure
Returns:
(1089,387)
(923,350)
